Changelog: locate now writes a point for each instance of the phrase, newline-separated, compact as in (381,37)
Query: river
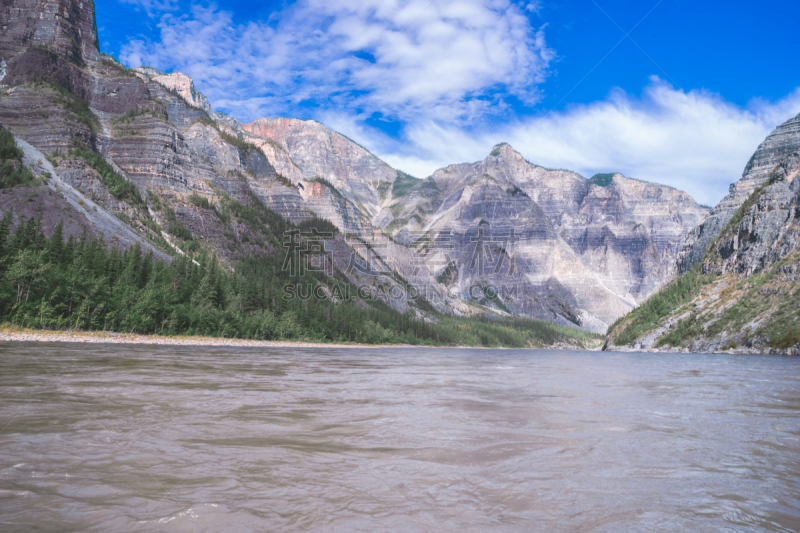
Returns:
(146,438)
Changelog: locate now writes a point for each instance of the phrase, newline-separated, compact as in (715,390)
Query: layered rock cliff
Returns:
(573,249)
(142,158)
(784,140)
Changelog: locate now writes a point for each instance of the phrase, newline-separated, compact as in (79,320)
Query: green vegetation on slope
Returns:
(766,294)
(78,107)
(118,186)
(659,306)
(326,183)
(84,284)
(516,191)
(130,116)
(602,180)
(236,141)
(13,173)
(749,299)
(403,184)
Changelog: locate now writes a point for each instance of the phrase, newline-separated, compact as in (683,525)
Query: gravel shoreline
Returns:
(129,338)
(106,337)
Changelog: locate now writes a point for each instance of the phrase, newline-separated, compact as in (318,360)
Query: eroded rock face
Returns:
(783,141)
(184,86)
(747,300)
(579,248)
(769,230)
(67,27)
(37,115)
(320,152)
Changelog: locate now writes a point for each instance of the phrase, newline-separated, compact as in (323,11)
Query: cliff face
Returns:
(317,151)
(66,27)
(501,236)
(784,140)
(200,181)
(578,250)
(744,295)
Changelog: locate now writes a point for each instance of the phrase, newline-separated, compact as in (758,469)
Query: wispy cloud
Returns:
(694,141)
(448,60)
(154,7)
(445,69)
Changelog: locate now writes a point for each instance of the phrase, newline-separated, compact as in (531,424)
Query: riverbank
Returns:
(705,348)
(105,337)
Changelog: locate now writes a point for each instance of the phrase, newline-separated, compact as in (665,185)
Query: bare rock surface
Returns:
(320,152)
(784,140)
(587,250)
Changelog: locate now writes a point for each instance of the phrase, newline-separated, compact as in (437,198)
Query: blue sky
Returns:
(673,91)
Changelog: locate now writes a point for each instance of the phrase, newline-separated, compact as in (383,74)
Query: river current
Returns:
(144,438)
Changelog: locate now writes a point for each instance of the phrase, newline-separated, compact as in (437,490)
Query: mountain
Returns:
(584,250)
(784,140)
(743,294)
(139,157)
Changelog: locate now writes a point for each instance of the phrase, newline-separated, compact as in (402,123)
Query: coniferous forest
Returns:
(84,284)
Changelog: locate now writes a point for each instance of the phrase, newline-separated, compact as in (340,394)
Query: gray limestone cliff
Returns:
(784,140)
(555,245)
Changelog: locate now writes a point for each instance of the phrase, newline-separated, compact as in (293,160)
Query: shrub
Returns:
(516,191)
(326,183)
(180,231)
(131,115)
(234,140)
(284,180)
(403,184)
(602,180)
(75,105)
(787,340)
(200,201)
(13,173)
(321,225)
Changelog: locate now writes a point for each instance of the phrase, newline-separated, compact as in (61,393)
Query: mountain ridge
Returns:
(577,253)
(742,294)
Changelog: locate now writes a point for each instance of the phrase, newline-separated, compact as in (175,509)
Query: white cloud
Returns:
(694,141)
(446,59)
(443,68)
(154,7)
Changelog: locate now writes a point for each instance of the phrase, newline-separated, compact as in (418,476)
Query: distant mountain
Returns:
(584,250)
(744,292)
(140,157)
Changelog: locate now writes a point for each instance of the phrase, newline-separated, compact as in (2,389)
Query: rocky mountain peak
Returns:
(181,84)
(783,141)
(503,150)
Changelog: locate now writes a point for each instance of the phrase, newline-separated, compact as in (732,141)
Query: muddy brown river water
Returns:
(146,438)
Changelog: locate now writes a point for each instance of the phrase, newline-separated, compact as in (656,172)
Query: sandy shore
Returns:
(105,337)
(97,337)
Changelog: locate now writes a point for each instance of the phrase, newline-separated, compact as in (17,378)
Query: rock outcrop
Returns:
(319,152)
(573,250)
(784,140)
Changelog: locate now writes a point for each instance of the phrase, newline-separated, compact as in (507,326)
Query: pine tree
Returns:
(55,245)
